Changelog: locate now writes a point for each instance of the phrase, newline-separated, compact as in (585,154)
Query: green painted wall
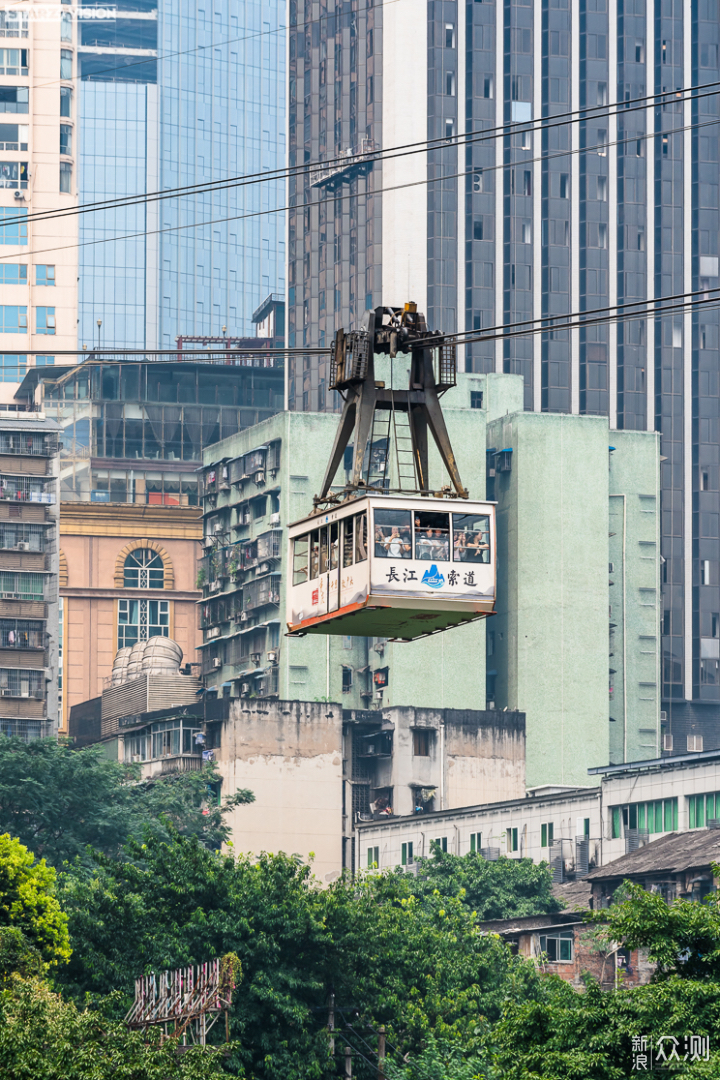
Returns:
(548,641)
(634,592)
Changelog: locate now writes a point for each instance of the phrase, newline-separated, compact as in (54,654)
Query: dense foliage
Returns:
(417,963)
(58,800)
(31,921)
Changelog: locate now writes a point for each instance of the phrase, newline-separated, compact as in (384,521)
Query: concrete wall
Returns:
(549,636)
(289,754)
(634,590)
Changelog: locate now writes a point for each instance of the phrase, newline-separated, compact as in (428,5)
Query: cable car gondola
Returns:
(380,561)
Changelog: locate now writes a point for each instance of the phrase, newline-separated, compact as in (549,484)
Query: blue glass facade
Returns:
(200,101)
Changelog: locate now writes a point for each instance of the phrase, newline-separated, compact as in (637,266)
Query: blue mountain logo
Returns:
(433,578)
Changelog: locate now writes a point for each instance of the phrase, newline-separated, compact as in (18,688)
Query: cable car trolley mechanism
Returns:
(386,556)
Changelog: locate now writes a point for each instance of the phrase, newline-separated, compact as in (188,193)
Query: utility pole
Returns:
(381,1053)
(348,1063)
(331,1022)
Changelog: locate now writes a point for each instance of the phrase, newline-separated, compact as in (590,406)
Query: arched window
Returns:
(144,570)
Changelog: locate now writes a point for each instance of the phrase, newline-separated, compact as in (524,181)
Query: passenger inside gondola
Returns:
(471,538)
(392,534)
(432,536)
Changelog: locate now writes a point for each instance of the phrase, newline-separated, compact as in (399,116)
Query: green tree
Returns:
(30,916)
(58,800)
(43,1036)
(420,965)
(505,889)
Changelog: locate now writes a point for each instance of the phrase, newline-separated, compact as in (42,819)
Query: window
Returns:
(300,559)
(66,139)
(449,36)
(14,174)
(139,620)
(22,634)
(361,537)
(421,743)
(602,188)
(476,399)
(14,136)
(478,229)
(694,744)
(373,858)
(655,817)
(22,683)
(13,61)
(547,831)
(511,840)
(66,64)
(45,320)
(66,26)
(14,99)
(406,854)
(449,129)
(639,52)
(705,571)
(450,84)
(564,185)
(393,538)
(432,536)
(19,586)
(15,232)
(702,809)
(602,235)
(471,538)
(476,842)
(347,679)
(44,361)
(488,87)
(66,177)
(65,101)
(44,275)
(12,369)
(13,274)
(144,570)
(439,844)
(13,320)
(558,946)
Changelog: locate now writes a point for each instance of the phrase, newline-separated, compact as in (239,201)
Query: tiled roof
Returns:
(671,854)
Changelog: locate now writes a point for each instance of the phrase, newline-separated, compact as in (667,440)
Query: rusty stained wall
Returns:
(474,757)
(289,754)
(484,762)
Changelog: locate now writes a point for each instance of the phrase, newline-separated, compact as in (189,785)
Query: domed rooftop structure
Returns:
(156,656)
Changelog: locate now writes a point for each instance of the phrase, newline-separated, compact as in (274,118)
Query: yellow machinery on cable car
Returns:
(376,560)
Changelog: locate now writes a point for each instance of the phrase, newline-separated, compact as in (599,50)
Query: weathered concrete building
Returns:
(575,639)
(29,621)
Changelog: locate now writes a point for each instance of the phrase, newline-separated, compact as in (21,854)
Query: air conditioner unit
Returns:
(7,693)
(218,528)
(261,688)
(663,716)
(243,616)
(217,662)
(246,518)
(274,598)
(274,519)
(259,477)
(207,542)
(245,689)
(38,695)
(272,657)
(255,657)
(23,546)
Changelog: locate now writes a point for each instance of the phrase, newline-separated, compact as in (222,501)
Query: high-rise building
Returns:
(102,104)
(29,632)
(38,174)
(573,168)
(169,99)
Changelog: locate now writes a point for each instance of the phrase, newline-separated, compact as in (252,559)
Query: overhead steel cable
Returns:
(425,181)
(584,115)
(614,313)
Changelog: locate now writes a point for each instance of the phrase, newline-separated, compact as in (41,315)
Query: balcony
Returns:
(28,444)
(26,489)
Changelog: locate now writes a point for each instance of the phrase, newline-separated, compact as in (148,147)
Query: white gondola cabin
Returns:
(391,566)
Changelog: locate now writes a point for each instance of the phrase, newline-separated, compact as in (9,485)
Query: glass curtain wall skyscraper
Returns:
(175,93)
(562,182)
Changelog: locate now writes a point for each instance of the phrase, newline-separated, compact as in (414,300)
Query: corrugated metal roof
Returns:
(671,854)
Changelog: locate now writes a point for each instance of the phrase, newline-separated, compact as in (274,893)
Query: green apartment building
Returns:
(562,580)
